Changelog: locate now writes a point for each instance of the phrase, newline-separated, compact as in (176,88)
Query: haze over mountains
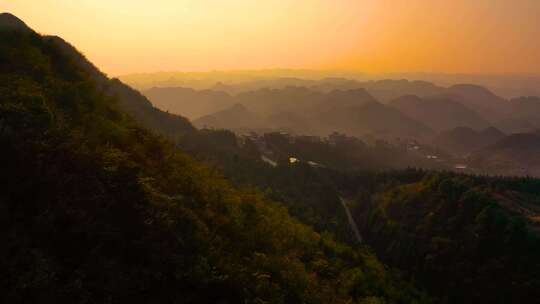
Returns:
(507,86)
(459,120)
(334,192)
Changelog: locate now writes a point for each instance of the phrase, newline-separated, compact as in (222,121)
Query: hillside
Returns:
(516,154)
(374,119)
(467,239)
(188,102)
(95,208)
(523,116)
(440,114)
(463,140)
(481,100)
(236,117)
(307,112)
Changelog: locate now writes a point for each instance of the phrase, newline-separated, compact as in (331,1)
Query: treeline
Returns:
(466,239)
(95,208)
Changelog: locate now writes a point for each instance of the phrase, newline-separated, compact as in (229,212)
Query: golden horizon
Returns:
(381,37)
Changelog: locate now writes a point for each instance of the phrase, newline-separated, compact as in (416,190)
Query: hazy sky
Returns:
(126,36)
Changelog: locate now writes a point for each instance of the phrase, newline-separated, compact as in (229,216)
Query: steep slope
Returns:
(10,22)
(97,209)
(131,101)
(439,114)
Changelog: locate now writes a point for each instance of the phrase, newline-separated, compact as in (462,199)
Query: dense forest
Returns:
(105,198)
(96,208)
(469,239)
(457,235)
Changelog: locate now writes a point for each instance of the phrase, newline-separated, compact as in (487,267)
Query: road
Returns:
(352,223)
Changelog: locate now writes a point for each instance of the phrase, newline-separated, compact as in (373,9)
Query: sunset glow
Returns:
(484,36)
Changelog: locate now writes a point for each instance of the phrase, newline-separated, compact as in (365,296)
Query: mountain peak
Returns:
(11,22)
(471,89)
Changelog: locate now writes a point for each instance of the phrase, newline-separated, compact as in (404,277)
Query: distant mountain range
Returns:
(464,140)
(319,108)
(516,154)
(439,113)
(108,199)
(507,86)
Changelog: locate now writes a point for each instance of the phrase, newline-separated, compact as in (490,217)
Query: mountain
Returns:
(472,239)
(290,122)
(481,100)
(343,99)
(354,112)
(523,116)
(235,117)
(388,90)
(516,154)
(372,118)
(9,22)
(266,101)
(188,102)
(131,101)
(463,140)
(96,208)
(439,113)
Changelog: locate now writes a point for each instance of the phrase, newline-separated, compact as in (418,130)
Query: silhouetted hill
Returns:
(290,122)
(388,90)
(10,22)
(516,154)
(473,239)
(131,101)
(354,112)
(523,116)
(344,99)
(492,107)
(464,140)
(372,118)
(235,117)
(270,101)
(97,209)
(188,102)
(439,113)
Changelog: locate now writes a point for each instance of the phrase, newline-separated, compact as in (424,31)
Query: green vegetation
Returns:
(96,209)
(467,239)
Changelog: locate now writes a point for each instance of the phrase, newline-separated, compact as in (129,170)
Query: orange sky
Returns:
(455,36)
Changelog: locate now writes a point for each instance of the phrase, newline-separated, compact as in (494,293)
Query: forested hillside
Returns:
(106,199)
(95,208)
(467,239)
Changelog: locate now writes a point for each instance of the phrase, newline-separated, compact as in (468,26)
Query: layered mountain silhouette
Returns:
(434,107)
(189,102)
(354,112)
(97,208)
(523,116)
(99,205)
(236,117)
(464,140)
(481,100)
(440,114)
(516,154)
(9,22)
